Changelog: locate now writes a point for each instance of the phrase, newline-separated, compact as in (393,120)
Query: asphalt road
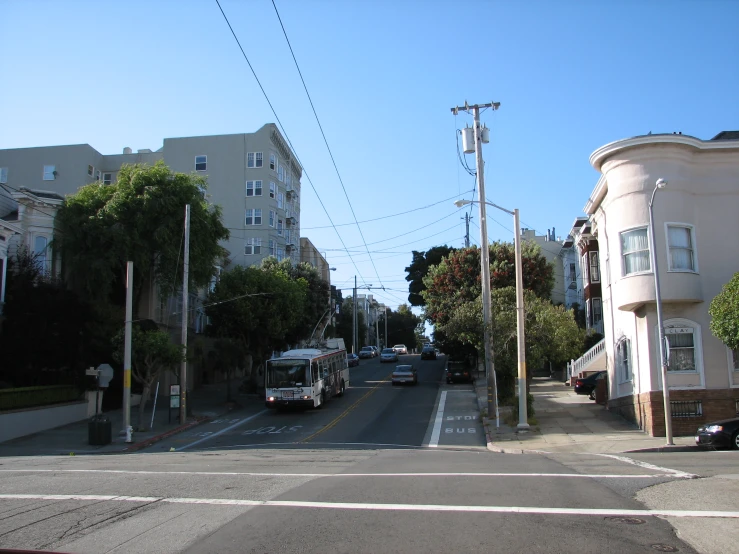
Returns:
(383,469)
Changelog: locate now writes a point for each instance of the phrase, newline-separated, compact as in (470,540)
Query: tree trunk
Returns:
(143,425)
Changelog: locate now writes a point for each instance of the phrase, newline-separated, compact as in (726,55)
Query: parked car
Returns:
(586,385)
(388,355)
(400,349)
(366,352)
(428,353)
(458,371)
(404,374)
(352,360)
(723,434)
(375,350)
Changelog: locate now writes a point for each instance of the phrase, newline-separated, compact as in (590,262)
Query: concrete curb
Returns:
(666,448)
(151,440)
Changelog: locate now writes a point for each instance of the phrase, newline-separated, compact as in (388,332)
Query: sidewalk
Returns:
(206,403)
(567,422)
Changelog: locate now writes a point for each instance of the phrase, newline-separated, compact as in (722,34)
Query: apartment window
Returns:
(258,216)
(272,216)
(573,273)
(90,170)
(681,341)
(271,247)
(49,172)
(107,178)
(3,175)
(281,173)
(253,246)
(97,177)
(287,236)
(288,178)
(201,162)
(272,162)
(594,268)
(279,227)
(272,190)
(597,311)
(249,217)
(39,251)
(635,251)
(254,188)
(254,159)
(280,199)
(584,265)
(623,359)
(680,243)
(280,254)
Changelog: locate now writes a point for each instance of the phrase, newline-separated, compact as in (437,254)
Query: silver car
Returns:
(404,374)
(388,355)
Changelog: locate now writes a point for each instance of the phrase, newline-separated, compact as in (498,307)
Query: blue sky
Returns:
(570,77)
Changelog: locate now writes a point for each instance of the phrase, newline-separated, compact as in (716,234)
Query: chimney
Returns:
(127,150)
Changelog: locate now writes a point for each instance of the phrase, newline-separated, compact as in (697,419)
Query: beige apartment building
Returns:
(695,222)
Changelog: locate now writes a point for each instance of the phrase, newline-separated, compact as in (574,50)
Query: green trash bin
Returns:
(99,431)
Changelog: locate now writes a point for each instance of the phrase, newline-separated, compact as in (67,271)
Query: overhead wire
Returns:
(282,127)
(325,140)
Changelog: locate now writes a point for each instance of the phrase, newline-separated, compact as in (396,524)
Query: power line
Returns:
(282,127)
(341,181)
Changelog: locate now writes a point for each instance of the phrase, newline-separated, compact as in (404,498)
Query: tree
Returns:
(418,269)
(551,332)
(152,352)
(345,326)
(724,311)
(456,280)
(402,327)
(257,307)
(139,218)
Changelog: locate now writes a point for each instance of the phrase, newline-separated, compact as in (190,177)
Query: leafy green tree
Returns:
(456,280)
(139,218)
(419,268)
(724,311)
(345,326)
(152,352)
(257,307)
(551,332)
(403,326)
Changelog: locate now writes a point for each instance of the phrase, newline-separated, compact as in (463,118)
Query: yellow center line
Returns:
(345,412)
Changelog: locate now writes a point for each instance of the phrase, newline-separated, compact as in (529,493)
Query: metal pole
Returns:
(377,329)
(154,409)
(185,298)
(523,416)
(467,230)
(485,268)
(354,317)
(386,342)
(658,300)
(127,352)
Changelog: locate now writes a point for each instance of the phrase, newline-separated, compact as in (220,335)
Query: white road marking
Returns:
(434,442)
(273,474)
(214,435)
(646,465)
(600,512)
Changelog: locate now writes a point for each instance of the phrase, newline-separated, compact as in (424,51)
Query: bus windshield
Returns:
(287,373)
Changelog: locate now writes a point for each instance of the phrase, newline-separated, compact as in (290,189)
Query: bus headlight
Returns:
(271,399)
(305,397)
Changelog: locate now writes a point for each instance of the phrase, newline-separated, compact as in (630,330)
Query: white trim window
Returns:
(97,177)
(253,246)
(280,254)
(280,173)
(279,227)
(249,217)
(623,360)
(597,311)
(272,162)
(90,170)
(680,241)
(635,251)
(594,267)
(107,178)
(254,188)
(682,348)
(280,199)
(573,273)
(49,172)
(257,216)
(40,252)
(201,163)
(272,190)
(254,159)
(272,217)
(271,247)
(3,175)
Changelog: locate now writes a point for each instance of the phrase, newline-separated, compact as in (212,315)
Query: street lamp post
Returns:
(664,362)
(523,416)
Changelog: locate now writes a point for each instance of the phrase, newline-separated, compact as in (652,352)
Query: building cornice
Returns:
(596,197)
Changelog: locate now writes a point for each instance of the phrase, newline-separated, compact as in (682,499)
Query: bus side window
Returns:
(314,371)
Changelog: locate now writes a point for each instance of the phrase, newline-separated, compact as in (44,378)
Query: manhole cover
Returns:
(664,548)
(630,521)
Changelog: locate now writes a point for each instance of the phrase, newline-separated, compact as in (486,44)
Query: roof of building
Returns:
(727,135)
(43,194)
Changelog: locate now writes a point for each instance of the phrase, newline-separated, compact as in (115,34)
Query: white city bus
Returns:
(307,377)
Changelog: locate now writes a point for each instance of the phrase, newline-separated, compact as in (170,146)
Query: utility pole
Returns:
(377,329)
(185,308)
(492,392)
(354,317)
(467,230)
(523,406)
(386,342)
(127,353)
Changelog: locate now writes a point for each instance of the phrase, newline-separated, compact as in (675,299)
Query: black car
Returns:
(458,372)
(586,385)
(352,360)
(723,434)
(428,353)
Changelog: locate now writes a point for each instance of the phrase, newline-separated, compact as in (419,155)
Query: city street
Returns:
(397,469)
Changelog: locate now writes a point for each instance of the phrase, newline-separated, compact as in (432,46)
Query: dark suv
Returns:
(458,371)
(428,353)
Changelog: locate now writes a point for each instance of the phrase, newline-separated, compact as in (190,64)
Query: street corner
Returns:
(145,443)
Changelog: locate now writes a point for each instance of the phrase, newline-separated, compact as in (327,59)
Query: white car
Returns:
(400,349)
(404,374)
(388,355)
